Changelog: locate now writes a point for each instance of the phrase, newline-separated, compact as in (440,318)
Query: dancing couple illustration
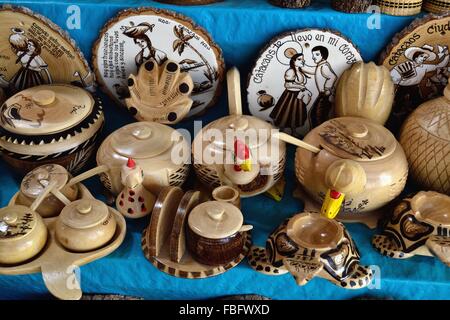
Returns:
(291,110)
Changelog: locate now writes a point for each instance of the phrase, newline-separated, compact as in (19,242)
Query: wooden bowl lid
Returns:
(142,140)
(215,219)
(84,213)
(16,221)
(256,131)
(25,34)
(311,230)
(39,178)
(46,109)
(356,139)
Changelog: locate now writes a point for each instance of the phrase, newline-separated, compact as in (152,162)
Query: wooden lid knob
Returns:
(215,213)
(10,218)
(44,97)
(84,208)
(239,124)
(142,133)
(358,130)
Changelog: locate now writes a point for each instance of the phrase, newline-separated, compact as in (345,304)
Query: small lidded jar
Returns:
(35,182)
(23,234)
(214,234)
(85,225)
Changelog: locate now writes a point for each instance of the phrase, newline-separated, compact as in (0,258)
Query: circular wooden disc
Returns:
(301,107)
(188,267)
(417,82)
(123,46)
(34,51)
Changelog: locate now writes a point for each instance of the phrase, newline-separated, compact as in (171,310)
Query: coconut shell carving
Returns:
(400,7)
(365,90)
(425,137)
(160,93)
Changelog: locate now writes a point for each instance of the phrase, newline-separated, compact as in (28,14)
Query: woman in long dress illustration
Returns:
(290,110)
(140,38)
(33,70)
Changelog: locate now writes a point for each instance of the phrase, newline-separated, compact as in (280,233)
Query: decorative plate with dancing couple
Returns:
(293,81)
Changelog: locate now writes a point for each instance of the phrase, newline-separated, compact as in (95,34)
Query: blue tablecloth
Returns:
(241,28)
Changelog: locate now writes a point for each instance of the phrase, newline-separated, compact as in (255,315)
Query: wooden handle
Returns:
(87,175)
(61,197)
(234,92)
(37,202)
(296,142)
(61,280)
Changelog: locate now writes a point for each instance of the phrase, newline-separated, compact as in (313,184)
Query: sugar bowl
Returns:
(238,150)
(49,124)
(354,156)
(23,234)
(214,233)
(85,225)
(162,153)
(35,182)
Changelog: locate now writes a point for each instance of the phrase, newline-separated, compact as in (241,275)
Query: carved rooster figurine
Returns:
(134,201)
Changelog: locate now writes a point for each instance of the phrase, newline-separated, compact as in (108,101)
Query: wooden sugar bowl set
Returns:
(191,236)
(52,226)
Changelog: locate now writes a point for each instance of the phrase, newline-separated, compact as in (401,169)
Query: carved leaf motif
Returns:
(177,32)
(181,49)
(176,44)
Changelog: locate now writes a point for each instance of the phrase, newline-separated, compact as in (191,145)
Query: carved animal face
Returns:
(405,230)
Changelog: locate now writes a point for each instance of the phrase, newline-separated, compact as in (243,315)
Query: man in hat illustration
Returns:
(409,75)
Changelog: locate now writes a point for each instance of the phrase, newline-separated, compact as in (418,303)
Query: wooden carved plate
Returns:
(419,61)
(35,51)
(135,35)
(293,81)
(58,265)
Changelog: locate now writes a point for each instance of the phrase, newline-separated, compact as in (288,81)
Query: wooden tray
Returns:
(189,268)
(58,265)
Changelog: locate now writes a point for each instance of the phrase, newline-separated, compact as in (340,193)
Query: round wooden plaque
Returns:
(419,62)
(293,81)
(35,51)
(135,35)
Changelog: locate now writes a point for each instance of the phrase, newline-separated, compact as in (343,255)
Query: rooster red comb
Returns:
(131,164)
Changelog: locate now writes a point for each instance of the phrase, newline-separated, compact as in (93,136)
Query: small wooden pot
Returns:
(351,6)
(214,233)
(85,225)
(227,194)
(35,182)
(400,7)
(291,3)
(23,234)
(50,124)
(437,6)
